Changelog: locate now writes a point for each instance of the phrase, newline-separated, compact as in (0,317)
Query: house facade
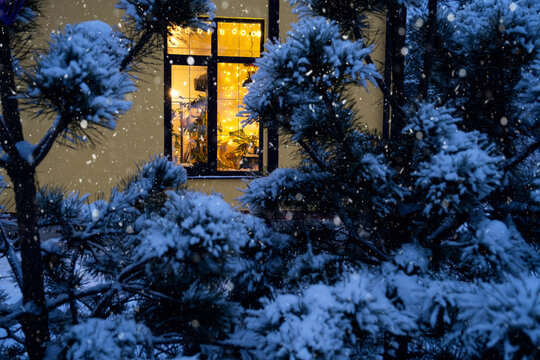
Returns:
(187,103)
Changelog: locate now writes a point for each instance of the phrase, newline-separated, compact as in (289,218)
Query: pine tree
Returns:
(422,246)
(80,83)
(447,205)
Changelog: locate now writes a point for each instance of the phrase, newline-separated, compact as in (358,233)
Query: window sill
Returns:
(221,177)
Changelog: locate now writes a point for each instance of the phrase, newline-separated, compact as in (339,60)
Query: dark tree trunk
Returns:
(11,133)
(398,18)
(35,320)
(430,47)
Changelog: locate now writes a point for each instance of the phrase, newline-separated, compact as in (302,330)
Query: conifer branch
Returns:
(136,50)
(48,140)
(512,162)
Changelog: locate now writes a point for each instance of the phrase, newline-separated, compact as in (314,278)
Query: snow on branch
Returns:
(103,339)
(150,14)
(314,58)
(79,79)
(13,260)
(527,100)
(463,168)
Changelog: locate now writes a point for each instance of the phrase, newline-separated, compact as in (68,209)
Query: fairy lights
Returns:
(243,32)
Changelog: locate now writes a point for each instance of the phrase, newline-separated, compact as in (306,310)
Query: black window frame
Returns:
(209,170)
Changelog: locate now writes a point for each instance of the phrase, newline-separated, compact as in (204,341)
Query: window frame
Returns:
(209,170)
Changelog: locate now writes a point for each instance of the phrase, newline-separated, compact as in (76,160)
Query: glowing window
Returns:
(238,145)
(189,41)
(205,89)
(189,114)
(239,39)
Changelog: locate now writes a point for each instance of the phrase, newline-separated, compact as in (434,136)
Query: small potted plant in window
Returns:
(244,156)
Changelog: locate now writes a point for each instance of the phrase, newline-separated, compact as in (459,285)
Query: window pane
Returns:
(188,41)
(228,75)
(189,114)
(238,145)
(239,39)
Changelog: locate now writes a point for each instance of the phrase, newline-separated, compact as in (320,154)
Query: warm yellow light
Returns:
(222,32)
(174,93)
(188,30)
(234,31)
(259,33)
(199,31)
(243,32)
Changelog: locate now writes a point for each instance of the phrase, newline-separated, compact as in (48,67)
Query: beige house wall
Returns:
(139,133)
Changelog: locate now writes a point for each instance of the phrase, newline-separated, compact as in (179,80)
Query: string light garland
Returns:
(243,32)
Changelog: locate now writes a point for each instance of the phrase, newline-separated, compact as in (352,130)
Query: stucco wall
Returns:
(139,133)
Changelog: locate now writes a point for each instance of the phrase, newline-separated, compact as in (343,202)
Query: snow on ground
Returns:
(7,284)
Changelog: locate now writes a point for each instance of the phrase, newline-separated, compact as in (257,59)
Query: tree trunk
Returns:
(429,50)
(11,128)
(398,18)
(35,320)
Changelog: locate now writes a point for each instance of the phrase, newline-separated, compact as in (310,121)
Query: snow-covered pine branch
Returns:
(79,80)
